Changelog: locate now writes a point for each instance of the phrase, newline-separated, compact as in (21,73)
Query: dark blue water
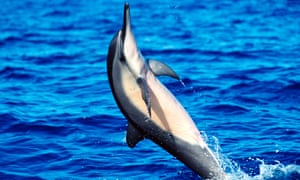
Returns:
(240,62)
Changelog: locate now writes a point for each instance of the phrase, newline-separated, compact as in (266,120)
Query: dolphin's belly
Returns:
(167,112)
(170,115)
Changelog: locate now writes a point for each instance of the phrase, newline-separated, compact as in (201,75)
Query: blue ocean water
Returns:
(239,61)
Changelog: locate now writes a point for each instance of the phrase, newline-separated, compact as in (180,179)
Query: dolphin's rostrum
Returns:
(150,108)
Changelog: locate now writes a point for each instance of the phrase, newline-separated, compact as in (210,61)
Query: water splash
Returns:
(277,171)
(182,83)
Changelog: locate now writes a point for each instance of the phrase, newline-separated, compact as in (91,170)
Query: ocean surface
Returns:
(239,60)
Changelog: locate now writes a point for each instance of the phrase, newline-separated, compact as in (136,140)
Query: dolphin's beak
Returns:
(126,21)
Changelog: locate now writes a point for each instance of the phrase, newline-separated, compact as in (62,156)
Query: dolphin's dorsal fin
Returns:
(134,135)
(161,69)
(145,93)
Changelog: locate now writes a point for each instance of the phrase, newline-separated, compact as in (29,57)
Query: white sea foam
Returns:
(277,171)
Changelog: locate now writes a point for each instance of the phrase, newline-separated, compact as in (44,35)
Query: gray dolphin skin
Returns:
(151,109)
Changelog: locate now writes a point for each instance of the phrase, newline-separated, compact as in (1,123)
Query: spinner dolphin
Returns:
(151,109)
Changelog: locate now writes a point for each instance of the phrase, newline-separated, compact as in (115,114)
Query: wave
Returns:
(191,51)
(292,86)
(7,175)
(226,109)
(57,57)
(17,73)
(57,13)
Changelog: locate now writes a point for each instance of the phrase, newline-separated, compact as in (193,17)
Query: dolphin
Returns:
(151,109)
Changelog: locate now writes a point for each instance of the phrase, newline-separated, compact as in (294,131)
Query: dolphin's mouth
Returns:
(126,21)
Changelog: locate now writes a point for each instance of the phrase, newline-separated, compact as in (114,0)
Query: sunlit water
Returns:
(239,62)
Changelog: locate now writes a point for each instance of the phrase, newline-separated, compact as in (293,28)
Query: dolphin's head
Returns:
(124,48)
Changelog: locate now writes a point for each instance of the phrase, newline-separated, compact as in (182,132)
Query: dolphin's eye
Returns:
(122,58)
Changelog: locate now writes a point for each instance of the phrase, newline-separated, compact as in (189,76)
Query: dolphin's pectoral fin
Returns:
(145,93)
(161,69)
(133,135)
